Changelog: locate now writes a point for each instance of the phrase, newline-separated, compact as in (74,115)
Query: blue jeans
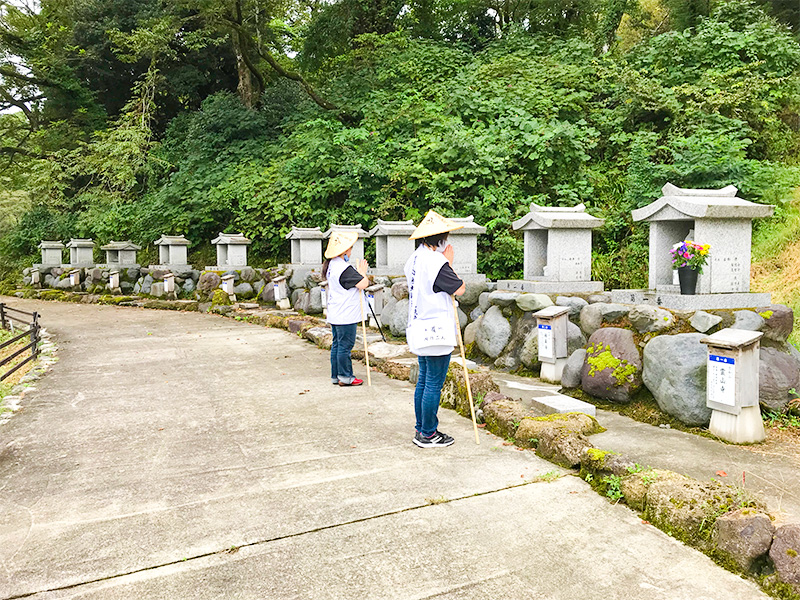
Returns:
(344,338)
(432,373)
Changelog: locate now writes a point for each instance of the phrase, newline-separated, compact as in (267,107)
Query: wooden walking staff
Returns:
(364,326)
(466,372)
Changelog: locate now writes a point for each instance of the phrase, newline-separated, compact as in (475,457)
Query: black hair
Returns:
(432,240)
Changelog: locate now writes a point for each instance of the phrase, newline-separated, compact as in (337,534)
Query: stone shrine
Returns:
(231,251)
(558,251)
(51,253)
(306,245)
(81,252)
(715,217)
(172,252)
(120,253)
(392,246)
(358,247)
(465,248)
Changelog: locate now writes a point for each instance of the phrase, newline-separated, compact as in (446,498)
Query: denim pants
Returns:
(344,338)
(432,372)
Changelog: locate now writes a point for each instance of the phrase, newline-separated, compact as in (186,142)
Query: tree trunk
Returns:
(246,90)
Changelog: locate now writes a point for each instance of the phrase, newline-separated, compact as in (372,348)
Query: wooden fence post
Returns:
(3,316)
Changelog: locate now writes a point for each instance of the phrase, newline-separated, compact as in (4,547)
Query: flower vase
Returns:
(687,277)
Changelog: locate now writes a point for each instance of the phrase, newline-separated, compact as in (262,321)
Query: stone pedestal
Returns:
(676,301)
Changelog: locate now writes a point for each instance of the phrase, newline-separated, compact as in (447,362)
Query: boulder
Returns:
(634,486)
(531,428)
(471,332)
(321,336)
(295,295)
(247,274)
(399,320)
(575,337)
(603,462)
(476,313)
(302,301)
(388,310)
(454,391)
(472,292)
(593,315)
(675,373)
(575,304)
(382,280)
(147,282)
(602,298)
(747,319)
(778,374)
(208,282)
(63,284)
(385,350)
(562,447)
(244,290)
(483,301)
(613,368)
(188,286)
(529,351)
(494,332)
(704,322)
(785,553)
(648,318)
(236,275)
(571,375)
(258,286)
(463,319)
(315,301)
(298,277)
(312,280)
(157,289)
(503,415)
(744,535)
(400,290)
(502,299)
(778,322)
(532,302)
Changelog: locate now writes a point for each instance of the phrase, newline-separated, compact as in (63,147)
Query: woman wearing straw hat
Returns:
(431,331)
(344,303)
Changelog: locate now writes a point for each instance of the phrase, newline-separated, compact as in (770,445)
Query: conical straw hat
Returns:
(339,242)
(432,224)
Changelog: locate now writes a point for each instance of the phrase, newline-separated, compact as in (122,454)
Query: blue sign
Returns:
(544,327)
(721,359)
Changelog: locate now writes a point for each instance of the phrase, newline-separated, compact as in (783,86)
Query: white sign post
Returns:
(732,385)
(551,323)
(113,280)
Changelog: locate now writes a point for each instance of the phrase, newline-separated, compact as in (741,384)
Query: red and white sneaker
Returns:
(354,382)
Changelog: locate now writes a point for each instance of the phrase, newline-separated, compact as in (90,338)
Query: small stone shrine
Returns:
(51,253)
(392,246)
(715,217)
(120,253)
(231,251)
(465,248)
(358,247)
(172,252)
(558,251)
(306,245)
(81,252)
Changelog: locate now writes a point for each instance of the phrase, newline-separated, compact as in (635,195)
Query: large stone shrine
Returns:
(558,251)
(465,248)
(358,247)
(121,254)
(306,244)
(392,246)
(715,217)
(81,253)
(231,251)
(172,252)
(51,253)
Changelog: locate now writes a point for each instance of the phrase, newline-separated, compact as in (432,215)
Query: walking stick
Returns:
(374,316)
(364,325)
(466,372)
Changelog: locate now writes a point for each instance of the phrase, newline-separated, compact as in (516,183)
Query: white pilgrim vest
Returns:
(344,306)
(421,271)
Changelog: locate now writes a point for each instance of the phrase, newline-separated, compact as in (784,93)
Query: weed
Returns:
(612,486)
(548,477)
(438,500)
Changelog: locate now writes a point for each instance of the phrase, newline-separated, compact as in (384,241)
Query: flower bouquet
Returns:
(689,259)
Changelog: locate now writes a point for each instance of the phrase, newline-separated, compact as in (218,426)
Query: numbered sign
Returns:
(370,301)
(324,297)
(721,379)
(546,345)
(276,292)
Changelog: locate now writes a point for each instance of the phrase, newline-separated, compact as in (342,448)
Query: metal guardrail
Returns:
(30,320)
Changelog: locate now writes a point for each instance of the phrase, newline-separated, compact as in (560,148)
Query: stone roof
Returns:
(393,228)
(80,243)
(305,233)
(558,217)
(45,245)
(470,227)
(128,245)
(231,239)
(171,240)
(679,203)
(357,228)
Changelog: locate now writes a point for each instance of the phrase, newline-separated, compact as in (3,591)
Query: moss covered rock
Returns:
(562,447)
(504,415)
(612,368)
(531,428)
(634,486)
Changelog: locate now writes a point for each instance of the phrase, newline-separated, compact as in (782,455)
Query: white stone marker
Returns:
(172,251)
(51,252)
(113,280)
(169,283)
(732,385)
(81,252)
(231,251)
(551,323)
(358,247)
(120,253)
(558,251)
(324,297)
(392,246)
(306,245)
(228,284)
(715,217)
(280,289)
(35,277)
(75,277)
(465,247)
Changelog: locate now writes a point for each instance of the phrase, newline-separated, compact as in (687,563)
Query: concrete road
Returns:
(178,455)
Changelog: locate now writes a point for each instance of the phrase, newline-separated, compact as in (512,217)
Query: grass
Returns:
(776,259)
(9,382)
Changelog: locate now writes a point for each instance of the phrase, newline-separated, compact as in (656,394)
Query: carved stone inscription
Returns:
(727,274)
(574,268)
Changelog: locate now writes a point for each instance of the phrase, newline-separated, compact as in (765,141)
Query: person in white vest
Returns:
(344,303)
(431,330)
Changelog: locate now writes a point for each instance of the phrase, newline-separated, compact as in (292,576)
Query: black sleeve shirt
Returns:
(349,278)
(447,281)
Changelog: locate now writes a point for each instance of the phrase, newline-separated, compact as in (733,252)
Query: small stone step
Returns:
(558,403)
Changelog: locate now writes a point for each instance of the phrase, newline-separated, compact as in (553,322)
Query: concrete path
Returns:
(178,455)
